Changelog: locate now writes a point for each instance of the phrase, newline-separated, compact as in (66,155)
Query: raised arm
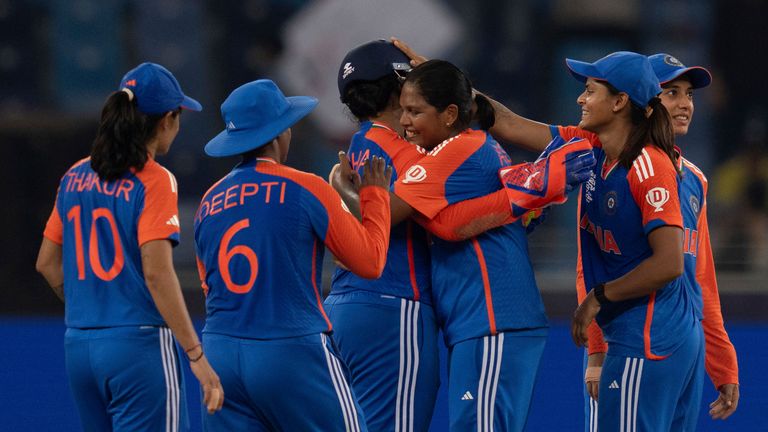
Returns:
(361,246)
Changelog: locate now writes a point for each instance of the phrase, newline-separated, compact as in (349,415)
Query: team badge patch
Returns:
(415,174)
(668,59)
(610,203)
(657,197)
(695,204)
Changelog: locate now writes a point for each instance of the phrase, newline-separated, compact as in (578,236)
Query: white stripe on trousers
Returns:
(348,409)
(630,393)
(409,365)
(171,372)
(493,349)
(592,415)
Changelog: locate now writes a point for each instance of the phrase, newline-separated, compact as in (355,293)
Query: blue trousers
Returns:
(390,347)
(637,394)
(491,380)
(126,379)
(288,384)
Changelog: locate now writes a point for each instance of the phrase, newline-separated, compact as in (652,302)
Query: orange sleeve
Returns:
(54,228)
(469,218)
(653,182)
(720,360)
(568,132)
(360,245)
(159,219)
(202,273)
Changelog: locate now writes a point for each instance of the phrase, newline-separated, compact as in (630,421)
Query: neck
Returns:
(389,118)
(152,147)
(614,139)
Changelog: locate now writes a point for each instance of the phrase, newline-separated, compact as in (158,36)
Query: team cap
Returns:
(371,61)
(254,114)
(668,68)
(156,90)
(628,71)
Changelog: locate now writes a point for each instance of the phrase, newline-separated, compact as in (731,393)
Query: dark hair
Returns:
(441,83)
(366,99)
(121,140)
(656,129)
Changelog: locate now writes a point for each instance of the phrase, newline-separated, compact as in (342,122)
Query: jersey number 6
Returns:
(118,260)
(226,254)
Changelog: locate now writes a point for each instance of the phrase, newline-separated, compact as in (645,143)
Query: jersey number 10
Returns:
(74,215)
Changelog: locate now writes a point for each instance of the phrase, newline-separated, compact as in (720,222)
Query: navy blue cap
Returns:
(371,61)
(156,90)
(254,114)
(628,71)
(668,68)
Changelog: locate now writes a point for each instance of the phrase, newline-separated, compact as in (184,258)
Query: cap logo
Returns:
(231,125)
(131,83)
(668,59)
(348,69)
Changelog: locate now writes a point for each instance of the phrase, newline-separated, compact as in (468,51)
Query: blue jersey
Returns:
(261,233)
(619,207)
(101,227)
(407,273)
(484,285)
(692,200)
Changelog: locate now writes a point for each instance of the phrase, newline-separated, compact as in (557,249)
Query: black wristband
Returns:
(195,360)
(599,291)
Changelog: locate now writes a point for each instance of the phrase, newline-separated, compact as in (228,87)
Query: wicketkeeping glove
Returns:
(560,168)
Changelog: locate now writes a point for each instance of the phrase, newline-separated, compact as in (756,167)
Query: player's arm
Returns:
(361,246)
(720,358)
(510,127)
(164,287)
(49,264)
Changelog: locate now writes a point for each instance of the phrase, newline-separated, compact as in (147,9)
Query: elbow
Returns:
(672,269)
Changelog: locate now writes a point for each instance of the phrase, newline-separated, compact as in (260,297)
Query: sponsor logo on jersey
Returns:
(173,221)
(467,396)
(415,174)
(614,385)
(643,166)
(589,187)
(348,69)
(231,125)
(657,197)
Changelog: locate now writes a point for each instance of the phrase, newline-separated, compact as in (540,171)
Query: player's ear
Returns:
(449,115)
(620,101)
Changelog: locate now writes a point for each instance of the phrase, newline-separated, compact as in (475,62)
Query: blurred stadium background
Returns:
(60,59)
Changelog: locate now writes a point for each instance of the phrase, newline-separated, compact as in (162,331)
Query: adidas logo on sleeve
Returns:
(467,396)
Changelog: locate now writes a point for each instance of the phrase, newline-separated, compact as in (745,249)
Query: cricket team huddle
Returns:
(427,219)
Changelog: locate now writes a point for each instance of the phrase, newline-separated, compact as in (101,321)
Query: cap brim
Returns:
(582,70)
(699,76)
(190,104)
(230,143)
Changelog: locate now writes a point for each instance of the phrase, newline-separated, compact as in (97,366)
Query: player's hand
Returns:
(726,403)
(213,393)
(416,59)
(377,173)
(592,374)
(343,177)
(534,218)
(583,317)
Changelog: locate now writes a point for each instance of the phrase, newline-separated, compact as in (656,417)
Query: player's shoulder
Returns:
(570,132)
(689,166)
(155,175)
(465,143)
(651,162)
(80,164)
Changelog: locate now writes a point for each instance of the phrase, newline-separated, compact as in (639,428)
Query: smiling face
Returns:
(423,125)
(597,106)
(677,97)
